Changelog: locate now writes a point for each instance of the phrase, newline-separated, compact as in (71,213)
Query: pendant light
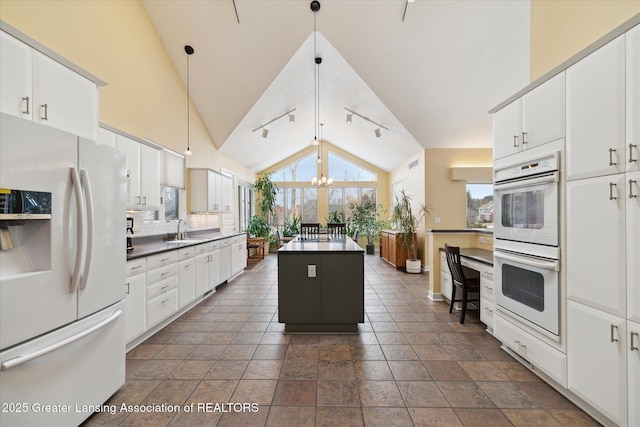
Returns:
(189,51)
(315,7)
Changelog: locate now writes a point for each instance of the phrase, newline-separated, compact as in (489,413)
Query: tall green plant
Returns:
(267,191)
(407,222)
(364,217)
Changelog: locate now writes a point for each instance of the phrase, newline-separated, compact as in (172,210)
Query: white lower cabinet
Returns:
(214,265)
(202,272)
(225,260)
(538,353)
(186,281)
(238,254)
(163,305)
(135,316)
(633,372)
(597,365)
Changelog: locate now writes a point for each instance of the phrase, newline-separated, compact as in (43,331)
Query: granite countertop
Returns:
(152,245)
(320,245)
(463,230)
(481,255)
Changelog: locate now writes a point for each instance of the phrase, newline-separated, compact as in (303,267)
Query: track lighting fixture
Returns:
(265,131)
(377,131)
(189,51)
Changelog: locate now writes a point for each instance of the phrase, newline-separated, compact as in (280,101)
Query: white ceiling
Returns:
(430,79)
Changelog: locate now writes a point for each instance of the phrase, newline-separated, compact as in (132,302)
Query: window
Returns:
(341,169)
(245,204)
(479,205)
(171,199)
(301,171)
(296,201)
(340,198)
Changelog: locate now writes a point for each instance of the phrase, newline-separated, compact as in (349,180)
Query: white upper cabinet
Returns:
(633,245)
(633,99)
(143,179)
(210,192)
(536,118)
(172,168)
(37,88)
(596,113)
(106,137)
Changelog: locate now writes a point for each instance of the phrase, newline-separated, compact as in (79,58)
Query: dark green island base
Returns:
(330,302)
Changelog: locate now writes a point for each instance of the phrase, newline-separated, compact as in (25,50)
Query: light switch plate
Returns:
(311,270)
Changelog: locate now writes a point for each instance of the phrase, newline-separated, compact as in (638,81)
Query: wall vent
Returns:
(413,164)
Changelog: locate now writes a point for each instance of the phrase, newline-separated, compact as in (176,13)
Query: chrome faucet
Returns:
(178,237)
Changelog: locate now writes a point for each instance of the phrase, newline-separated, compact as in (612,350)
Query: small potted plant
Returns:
(407,222)
(291,227)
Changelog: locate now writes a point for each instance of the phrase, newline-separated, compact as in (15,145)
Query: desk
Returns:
(256,243)
(321,285)
(480,260)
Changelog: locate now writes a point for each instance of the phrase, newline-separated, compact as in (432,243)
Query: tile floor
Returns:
(412,364)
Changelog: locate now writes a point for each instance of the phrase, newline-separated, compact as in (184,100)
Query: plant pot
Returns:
(413,265)
(371,249)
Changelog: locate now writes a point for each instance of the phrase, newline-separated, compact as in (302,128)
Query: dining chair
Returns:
(256,243)
(279,238)
(309,230)
(337,230)
(465,278)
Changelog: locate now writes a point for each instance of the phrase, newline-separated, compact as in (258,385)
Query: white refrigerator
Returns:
(62,274)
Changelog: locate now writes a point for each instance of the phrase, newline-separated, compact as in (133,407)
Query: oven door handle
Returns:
(527,182)
(546,265)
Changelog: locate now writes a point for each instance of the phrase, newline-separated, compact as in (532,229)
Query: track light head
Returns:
(349,118)
(265,132)
(378,133)
(292,118)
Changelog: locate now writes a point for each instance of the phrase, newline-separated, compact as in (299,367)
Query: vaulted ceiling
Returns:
(429,78)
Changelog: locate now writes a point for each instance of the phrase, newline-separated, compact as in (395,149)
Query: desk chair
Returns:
(256,243)
(337,230)
(467,279)
(356,235)
(309,230)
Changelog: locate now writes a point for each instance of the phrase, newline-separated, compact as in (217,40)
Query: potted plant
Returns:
(266,191)
(407,222)
(364,217)
(291,227)
(259,227)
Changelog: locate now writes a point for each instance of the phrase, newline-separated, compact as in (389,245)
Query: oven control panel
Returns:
(539,166)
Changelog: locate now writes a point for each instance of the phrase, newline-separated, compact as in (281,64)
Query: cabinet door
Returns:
(507,130)
(596,243)
(212,203)
(393,250)
(106,137)
(186,282)
(633,99)
(597,365)
(132,150)
(633,372)
(543,113)
(238,258)
(136,306)
(230,196)
(596,113)
(299,296)
(149,178)
(16,97)
(214,269)
(202,273)
(633,246)
(225,261)
(64,99)
(342,287)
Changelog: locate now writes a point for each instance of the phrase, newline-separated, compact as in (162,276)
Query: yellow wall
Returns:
(382,193)
(117,42)
(562,28)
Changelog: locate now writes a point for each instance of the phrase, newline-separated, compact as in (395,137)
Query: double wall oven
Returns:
(527,235)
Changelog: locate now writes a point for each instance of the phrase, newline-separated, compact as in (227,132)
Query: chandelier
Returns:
(323,181)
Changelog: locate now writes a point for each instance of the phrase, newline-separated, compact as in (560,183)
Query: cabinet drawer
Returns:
(486,289)
(237,239)
(539,354)
(136,266)
(225,242)
(214,246)
(486,314)
(161,273)
(155,261)
(161,307)
(188,252)
(161,287)
(202,249)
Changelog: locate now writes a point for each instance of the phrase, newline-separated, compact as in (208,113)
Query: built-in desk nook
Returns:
(321,285)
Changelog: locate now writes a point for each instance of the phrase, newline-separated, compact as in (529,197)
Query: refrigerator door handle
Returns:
(89,241)
(80,249)
(19,360)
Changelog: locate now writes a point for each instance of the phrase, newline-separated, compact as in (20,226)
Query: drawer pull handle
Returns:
(631,146)
(128,289)
(46,112)
(611,196)
(631,182)
(633,346)
(164,274)
(164,301)
(613,339)
(136,267)
(164,259)
(611,162)
(489,310)
(524,139)
(515,141)
(26,98)
(520,344)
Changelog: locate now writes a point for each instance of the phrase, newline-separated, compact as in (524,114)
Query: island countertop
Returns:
(321,245)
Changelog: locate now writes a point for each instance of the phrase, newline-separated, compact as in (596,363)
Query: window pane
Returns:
(278,207)
(171,203)
(480,205)
(301,171)
(335,199)
(343,170)
(310,206)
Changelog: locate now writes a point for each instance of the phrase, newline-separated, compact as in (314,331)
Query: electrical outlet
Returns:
(311,270)
(482,240)
(437,220)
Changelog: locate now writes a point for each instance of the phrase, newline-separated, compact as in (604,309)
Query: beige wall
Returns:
(116,41)
(562,28)
(382,193)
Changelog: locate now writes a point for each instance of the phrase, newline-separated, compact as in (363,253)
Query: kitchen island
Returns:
(321,285)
